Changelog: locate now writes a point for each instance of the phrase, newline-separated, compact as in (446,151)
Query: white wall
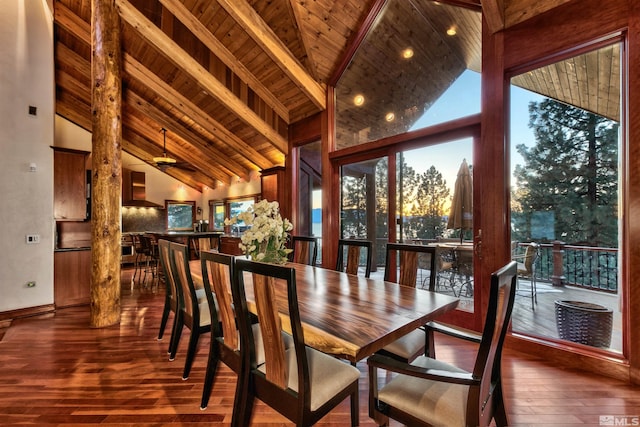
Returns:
(26,78)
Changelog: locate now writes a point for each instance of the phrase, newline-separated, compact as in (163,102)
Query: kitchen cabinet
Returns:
(72,277)
(69,184)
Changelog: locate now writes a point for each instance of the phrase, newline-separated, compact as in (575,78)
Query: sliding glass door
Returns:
(567,182)
(430,207)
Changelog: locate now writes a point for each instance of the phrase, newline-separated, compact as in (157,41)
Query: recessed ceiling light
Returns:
(407,53)
(451,31)
(358,100)
(390,117)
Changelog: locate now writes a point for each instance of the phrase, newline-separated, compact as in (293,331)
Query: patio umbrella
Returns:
(461,214)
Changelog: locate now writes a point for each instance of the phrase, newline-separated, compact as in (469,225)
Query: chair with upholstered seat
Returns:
(305,250)
(429,392)
(300,383)
(353,249)
(224,346)
(408,260)
(527,269)
(194,310)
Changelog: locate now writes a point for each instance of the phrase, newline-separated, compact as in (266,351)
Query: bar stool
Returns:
(139,256)
(150,251)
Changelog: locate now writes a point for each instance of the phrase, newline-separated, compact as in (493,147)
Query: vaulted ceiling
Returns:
(226,78)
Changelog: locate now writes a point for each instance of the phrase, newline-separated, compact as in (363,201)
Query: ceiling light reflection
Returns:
(407,53)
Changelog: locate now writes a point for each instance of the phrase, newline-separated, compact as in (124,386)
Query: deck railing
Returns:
(587,267)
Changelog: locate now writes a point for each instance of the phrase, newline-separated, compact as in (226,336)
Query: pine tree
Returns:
(570,175)
(432,196)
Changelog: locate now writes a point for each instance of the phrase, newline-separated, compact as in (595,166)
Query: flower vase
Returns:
(271,252)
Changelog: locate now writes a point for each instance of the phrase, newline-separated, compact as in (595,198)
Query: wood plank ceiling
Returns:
(226,78)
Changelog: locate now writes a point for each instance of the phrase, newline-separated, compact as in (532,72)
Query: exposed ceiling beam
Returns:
(252,23)
(517,11)
(138,71)
(149,138)
(68,20)
(493,11)
(72,109)
(198,151)
(216,46)
(81,90)
(186,63)
(72,23)
(140,147)
(296,11)
(195,153)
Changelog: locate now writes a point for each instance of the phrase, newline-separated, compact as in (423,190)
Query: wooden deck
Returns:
(541,321)
(55,370)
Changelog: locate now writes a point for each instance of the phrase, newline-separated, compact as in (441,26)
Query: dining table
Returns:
(350,316)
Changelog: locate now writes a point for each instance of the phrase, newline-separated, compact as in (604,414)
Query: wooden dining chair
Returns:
(301,383)
(305,250)
(408,258)
(171,294)
(224,346)
(353,249)
(194,311)
(430,392)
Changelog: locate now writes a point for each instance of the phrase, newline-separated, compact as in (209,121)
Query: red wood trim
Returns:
(330,183)
(563,29)
(451,130)
(631,191)
(8,316)
(356,39)
(306,130)
(601,362)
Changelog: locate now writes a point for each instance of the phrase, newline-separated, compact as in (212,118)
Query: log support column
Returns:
(106,105)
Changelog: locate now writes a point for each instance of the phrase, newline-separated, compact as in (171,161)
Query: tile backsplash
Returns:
(143,219)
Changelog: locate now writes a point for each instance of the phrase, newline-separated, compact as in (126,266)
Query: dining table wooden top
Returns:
(351,316)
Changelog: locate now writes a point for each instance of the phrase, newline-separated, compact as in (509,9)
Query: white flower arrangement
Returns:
(266,236)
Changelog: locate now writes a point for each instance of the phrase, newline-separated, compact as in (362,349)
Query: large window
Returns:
(181,215)
(436,57)
(565,215)
(424,192)
(236,207)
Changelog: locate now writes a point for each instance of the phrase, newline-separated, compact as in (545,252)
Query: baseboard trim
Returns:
(573,356)
(6,317)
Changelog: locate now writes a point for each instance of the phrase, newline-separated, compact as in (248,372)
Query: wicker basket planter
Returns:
(584,323)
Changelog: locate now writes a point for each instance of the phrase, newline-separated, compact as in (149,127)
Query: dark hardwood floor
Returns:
(55,370)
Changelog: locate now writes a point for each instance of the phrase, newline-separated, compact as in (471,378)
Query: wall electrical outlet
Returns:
(31,284)
(32,238)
